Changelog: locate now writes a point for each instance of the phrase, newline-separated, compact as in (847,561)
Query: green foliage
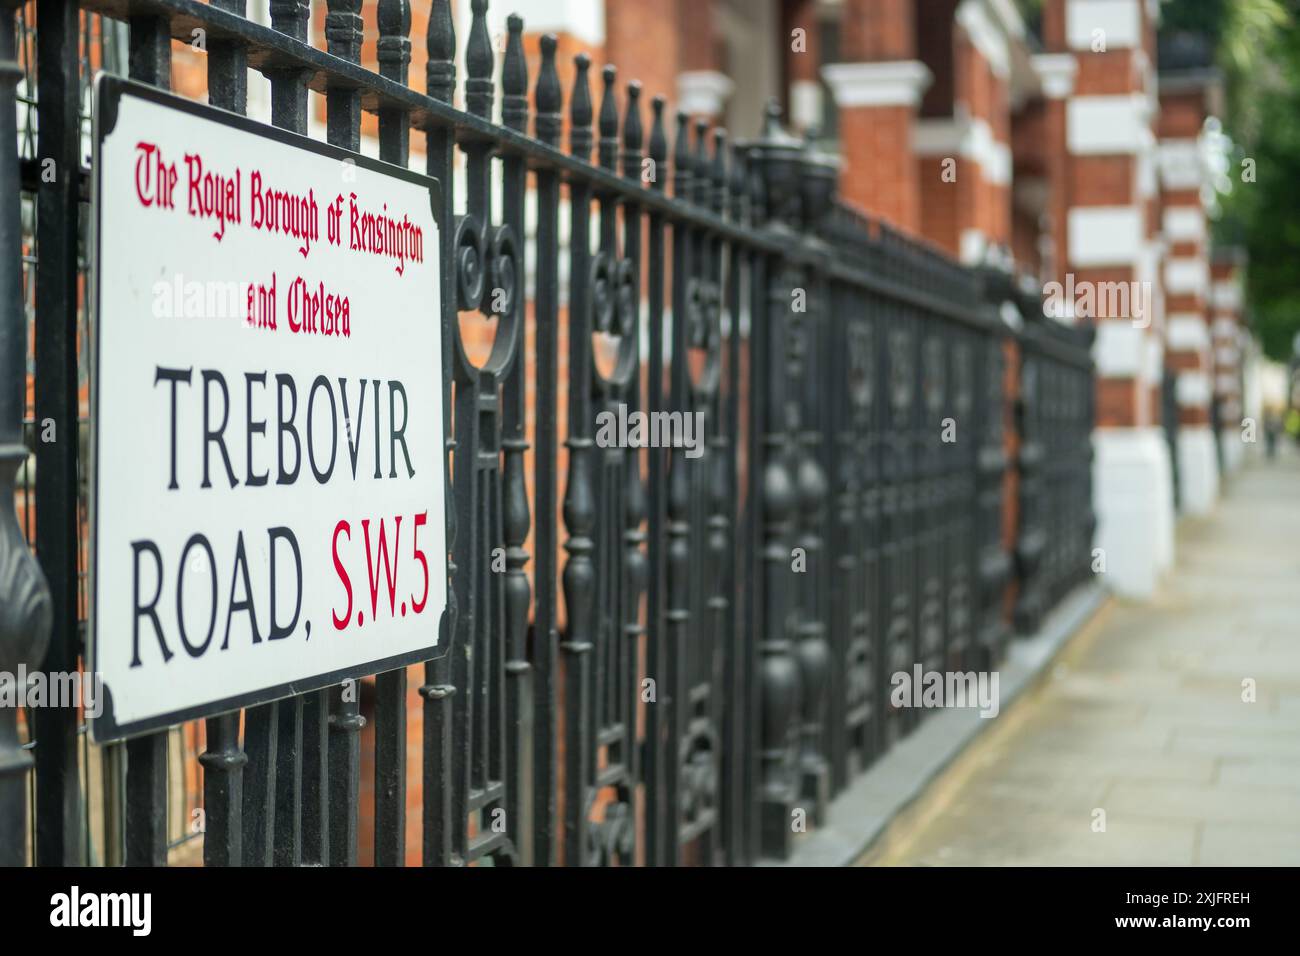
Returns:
(1198,16)
(1259,54)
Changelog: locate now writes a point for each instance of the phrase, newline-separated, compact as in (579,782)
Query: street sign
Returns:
(268,478)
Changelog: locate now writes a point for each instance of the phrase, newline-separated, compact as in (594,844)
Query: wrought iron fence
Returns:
(687,655)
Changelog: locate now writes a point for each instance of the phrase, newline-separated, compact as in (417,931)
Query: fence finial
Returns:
(632,132)
(394,47)
(440,72)
(580,110)
(343,29)
(682,158)
(290,18)
(546,96)
(772,119)
(658,141)
(736,182)
(609,118)
(719,170)
(514,77)
(478,63)
(701,160)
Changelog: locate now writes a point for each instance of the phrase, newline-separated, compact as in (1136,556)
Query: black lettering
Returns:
(286,425)
(200,541)
(258,428)
(172,375)
(217,436)
(274,534)
(396,434)
(354,428)
(322,382)
(378,472)
(246,602)
(137,548)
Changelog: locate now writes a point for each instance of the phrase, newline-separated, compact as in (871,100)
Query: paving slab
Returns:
(1179,719)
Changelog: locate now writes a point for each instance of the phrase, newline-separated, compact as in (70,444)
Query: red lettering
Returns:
(155,180)
(390,570)
(420,520)
(341,623)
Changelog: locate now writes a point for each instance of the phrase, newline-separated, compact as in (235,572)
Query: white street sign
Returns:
(268,475)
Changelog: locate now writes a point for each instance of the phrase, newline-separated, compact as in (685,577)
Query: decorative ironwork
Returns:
(687,656)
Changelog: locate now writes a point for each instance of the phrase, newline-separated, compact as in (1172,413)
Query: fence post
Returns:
(1031,533)
(773,479)
(809,368)
(223,761)
(993,559)
(25,609)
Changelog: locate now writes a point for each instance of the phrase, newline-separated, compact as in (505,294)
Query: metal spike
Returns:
(514,77)
(478,63)
(632,132)
(580,109)
(393,49)
(546,97)
(609,118)
(440,39)
(701,160)
(719,170)
(682,158)
(658,142)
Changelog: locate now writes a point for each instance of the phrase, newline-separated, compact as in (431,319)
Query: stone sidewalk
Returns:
(1142,719)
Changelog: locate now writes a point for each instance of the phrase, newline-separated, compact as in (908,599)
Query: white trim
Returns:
(1008,16)
(942,136)
(1154,372)
(703,92)
(1226,356)
(1106,125)
(1056,73)
(1192,389)
(1225,329)
(1181,164)
(985,35)
(1187,332)
(895,83)
(1185,275)
(1148,173)
(1184,223)
(970,138)
(1133,499)
(1119,349)
(973,244)
(998,168)
(1227,295)
(805,104)
(1120,21)
(1198,469)
(1105,235)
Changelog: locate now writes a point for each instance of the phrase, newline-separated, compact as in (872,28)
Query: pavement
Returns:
(1164,734)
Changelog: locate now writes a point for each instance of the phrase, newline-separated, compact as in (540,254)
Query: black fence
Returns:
(686,657)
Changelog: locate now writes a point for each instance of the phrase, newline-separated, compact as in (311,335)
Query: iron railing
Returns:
(685,659)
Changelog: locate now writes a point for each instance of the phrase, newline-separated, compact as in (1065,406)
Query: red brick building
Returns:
(1073,150)
(1064,150)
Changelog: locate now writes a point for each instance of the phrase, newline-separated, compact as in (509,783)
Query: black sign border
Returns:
(108,92)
